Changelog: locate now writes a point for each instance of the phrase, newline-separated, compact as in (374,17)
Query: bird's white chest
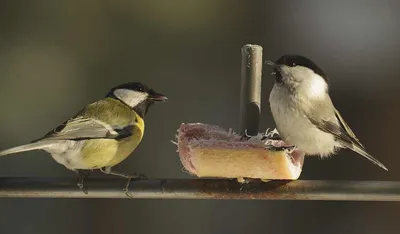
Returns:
(294,127)
(68,153)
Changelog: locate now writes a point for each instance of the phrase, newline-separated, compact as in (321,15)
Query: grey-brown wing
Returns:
(328,119)
(325,116)
(348,130)
(339,128)
(333,128)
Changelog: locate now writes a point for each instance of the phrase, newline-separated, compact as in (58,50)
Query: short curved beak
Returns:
(158,97)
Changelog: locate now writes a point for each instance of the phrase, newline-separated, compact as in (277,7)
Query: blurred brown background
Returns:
(58,56)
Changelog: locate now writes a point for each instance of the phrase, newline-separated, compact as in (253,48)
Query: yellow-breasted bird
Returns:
(102,134)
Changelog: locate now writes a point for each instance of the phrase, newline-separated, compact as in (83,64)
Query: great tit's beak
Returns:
(158,97)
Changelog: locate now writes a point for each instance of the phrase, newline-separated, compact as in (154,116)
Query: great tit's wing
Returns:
(81,128)
(75,129)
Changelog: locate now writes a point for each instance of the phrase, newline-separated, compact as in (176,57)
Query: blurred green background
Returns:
(58,56)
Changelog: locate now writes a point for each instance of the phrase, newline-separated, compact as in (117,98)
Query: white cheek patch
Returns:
(130,97)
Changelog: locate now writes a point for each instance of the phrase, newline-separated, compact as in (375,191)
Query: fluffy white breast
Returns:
(294,127)
(130,97)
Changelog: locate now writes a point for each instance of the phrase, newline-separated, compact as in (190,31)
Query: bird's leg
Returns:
(108,171)
(82,176)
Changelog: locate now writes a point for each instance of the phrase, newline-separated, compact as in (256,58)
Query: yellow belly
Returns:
(99,153)
(106,152)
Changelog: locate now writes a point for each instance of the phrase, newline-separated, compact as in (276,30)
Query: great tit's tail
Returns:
(27,147)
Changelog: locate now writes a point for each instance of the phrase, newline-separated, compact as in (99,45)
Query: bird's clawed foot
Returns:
(82,176)
(108,171)
(82,187)
(268,135)
(130,178)
(271,135)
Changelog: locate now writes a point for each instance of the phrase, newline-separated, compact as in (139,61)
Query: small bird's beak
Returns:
(270,63)
(274,65)
(158,97)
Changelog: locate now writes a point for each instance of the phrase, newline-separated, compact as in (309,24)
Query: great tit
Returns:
(304,113)
(101,135)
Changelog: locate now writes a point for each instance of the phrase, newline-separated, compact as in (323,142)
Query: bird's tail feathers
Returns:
(362,152)
(27,147)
